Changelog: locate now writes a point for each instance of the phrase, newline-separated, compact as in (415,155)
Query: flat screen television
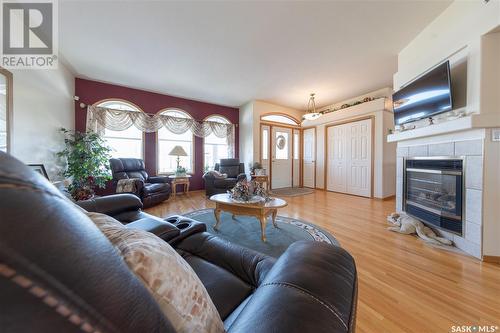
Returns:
(426,96)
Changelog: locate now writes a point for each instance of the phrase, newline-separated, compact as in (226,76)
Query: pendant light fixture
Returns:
(311,112)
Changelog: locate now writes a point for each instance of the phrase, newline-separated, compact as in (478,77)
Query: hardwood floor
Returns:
(404,285)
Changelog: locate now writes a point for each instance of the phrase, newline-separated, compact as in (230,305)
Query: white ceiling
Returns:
(232,52)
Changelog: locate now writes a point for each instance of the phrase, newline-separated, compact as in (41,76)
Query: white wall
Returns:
(43,103)
(384,181)
(246,134)
(455,35)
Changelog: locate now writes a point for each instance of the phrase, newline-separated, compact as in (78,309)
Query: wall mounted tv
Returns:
(426,96)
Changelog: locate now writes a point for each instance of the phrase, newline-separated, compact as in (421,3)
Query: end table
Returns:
(179,180)
(261,179)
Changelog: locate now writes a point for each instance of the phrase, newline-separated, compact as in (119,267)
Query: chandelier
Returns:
(311,112)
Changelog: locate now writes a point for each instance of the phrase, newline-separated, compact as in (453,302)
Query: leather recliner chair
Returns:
(59,273)
(235,172)
(151,190)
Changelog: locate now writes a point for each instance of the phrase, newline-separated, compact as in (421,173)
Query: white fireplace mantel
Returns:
(457,125)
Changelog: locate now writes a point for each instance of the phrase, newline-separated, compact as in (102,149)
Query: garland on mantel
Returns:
(348,105)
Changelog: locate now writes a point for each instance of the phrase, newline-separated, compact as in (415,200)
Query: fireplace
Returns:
(434,191)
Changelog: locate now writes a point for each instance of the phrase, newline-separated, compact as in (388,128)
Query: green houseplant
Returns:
(180,171)
(87,158)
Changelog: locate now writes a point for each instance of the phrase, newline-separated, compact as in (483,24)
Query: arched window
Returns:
(168,140)
(280,118)
(127,143)
(215,148)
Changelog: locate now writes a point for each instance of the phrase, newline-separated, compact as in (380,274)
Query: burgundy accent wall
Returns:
(91,92)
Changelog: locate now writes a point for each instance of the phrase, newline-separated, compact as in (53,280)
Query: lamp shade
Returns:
(178,151)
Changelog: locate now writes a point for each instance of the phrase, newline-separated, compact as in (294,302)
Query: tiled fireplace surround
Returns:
(472,151)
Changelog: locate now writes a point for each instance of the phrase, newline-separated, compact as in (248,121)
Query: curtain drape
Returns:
(99,118)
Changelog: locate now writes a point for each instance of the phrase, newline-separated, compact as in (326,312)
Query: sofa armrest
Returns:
(162,229)
(157,179)
(112,204)
(316,282)
(208,176)
(250,266)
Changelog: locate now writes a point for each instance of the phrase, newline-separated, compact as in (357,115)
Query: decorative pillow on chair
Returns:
(127,186)
(172,282)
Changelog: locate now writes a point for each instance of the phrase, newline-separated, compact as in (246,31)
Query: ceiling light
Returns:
(311,112)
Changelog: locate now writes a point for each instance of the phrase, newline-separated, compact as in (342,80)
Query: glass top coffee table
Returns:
(260,210)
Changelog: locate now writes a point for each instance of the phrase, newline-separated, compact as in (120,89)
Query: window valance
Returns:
(99,118)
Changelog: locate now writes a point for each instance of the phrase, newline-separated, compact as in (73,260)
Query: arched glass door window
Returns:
(280,118)
(168,140)
(215,148)
(128,143)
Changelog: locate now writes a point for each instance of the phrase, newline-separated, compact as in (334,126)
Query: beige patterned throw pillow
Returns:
(172,282)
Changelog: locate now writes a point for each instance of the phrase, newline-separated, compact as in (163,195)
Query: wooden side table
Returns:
(262,180)
(179,180)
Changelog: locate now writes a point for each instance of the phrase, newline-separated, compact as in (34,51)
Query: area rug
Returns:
(292,191)
(245,231)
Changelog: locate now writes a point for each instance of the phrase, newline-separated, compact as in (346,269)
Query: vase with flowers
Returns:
(249,192)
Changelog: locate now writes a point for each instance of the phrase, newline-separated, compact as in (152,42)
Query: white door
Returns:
(336,155)
(281,150)
(359,158)
(349,158)
(309,165)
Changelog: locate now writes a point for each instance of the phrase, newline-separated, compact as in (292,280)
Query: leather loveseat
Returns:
(151,190)
(59,273)
(234,170)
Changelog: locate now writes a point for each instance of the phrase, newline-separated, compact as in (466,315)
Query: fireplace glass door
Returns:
(433,193)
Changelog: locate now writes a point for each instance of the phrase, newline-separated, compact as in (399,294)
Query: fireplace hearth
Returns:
(434,191)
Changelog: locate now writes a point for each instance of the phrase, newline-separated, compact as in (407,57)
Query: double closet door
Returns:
(349,158)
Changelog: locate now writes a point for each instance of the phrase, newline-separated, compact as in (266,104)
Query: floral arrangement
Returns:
(180,171)
(255,166)
(343,106)
(245,190)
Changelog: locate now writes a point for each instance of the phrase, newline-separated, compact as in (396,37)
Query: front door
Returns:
(309,158)
(281,150)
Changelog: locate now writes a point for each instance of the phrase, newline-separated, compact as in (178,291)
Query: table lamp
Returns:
(178,151)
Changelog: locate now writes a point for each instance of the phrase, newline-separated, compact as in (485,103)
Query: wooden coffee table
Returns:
(260,210)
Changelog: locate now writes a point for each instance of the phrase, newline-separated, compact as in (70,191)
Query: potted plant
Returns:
(255,166)
(181,171)
(87,158)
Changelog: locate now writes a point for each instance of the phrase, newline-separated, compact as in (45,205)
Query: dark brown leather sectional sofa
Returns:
(59,273)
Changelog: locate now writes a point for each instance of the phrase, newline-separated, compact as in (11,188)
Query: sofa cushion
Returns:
(155,188)
(170,279)
(232,171)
